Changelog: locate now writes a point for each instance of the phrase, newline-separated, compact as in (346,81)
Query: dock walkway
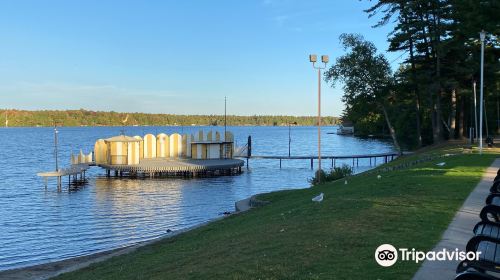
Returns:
(74,170)
(355,158)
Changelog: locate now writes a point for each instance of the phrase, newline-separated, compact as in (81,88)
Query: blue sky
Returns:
(179,57)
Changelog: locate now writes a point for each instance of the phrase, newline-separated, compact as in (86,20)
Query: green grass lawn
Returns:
(294,238)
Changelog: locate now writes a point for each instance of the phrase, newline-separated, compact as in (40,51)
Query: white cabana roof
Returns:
(122,138)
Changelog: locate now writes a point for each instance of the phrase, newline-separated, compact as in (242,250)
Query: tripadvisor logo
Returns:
(387,255)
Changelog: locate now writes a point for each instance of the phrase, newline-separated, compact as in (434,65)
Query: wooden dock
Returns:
(386,157)
(155,167)
(77,171)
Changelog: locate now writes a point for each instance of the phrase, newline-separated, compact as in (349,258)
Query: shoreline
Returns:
(198,125)
(55,268)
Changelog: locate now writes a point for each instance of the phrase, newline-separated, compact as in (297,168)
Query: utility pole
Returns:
(482,35)
(55,146)
(475,109)
(225,117)
(289,137)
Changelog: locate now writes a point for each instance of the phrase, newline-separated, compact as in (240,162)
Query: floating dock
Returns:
(160,167)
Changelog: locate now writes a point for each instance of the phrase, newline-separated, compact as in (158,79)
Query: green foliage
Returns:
(334,174)
(366,78)
(370,124)
(91,118)
(430,99)
(365,75)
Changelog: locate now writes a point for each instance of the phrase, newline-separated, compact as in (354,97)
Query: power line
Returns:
(399,57)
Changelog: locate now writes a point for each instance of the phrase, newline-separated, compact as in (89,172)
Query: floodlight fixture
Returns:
(324,58)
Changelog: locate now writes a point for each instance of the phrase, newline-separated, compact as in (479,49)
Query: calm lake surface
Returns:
(39,225)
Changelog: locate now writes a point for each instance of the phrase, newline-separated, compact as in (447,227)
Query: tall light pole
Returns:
(324,58)
(482,35)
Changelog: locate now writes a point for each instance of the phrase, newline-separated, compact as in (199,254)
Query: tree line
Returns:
(92,118)
(430,96)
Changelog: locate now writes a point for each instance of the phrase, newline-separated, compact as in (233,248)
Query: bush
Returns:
(334,174)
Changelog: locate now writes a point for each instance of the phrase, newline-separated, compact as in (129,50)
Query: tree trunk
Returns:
(414,81)
(391,128)
(435,45)
(438,129)
(461,118)
(453,115)
(498,116)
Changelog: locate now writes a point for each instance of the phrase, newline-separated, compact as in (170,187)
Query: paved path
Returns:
(460,229)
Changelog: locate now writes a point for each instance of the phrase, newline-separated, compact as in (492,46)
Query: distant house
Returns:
(346,128)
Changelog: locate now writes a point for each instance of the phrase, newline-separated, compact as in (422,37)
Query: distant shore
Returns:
(49,118)
(171,125)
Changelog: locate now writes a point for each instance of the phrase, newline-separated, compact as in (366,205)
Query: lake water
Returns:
(39,225)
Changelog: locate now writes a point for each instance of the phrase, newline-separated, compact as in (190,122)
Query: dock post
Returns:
(312,166)
(59,183)
(352,162)
(334,162)
(280,163)
(370,161)
(357,161)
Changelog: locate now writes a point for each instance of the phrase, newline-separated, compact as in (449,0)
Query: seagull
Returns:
(318,198)
(441,164)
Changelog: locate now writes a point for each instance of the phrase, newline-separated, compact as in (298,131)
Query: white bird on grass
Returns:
(441,164)
(318,198)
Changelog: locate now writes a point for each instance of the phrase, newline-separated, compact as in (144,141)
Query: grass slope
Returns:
(294,238)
